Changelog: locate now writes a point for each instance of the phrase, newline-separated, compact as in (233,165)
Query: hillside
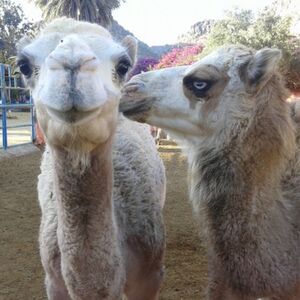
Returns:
(144,51)
(197,32)
(161,50)
(119,33)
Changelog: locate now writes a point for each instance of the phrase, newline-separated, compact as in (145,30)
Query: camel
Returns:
(102,184)
(229,110)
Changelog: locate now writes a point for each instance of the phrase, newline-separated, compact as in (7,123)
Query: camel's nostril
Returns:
(83,62)
(133,87)
(54,63)
(89,63)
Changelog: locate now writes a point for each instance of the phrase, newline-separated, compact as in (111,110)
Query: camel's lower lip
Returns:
(135,106)
(73,116)
(137,110)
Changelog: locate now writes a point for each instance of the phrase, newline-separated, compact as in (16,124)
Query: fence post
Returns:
(7,85)
(3,99)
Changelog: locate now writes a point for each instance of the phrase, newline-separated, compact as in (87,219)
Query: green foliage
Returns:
(96,11)
(268,29)
(240,27)
(231,30)
(13,25)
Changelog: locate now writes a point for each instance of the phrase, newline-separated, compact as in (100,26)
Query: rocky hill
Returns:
(144,51)
(197,32)
(118,32)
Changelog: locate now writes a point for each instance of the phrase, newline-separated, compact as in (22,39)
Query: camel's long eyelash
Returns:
(114,75)
(36,71)
(124,58)
(25,66)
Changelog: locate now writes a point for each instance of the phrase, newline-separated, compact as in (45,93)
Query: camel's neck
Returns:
(243,221)
(87,230)
(222,185)
(238,185)
(85,197)
(235,208)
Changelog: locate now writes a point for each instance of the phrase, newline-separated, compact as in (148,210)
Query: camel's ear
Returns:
(22,43)
(262,66)
(130,43)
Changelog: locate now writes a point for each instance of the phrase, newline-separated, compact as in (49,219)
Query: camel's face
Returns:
(202,99)
(75,71)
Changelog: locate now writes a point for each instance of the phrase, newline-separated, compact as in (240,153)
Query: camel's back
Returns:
(139,182)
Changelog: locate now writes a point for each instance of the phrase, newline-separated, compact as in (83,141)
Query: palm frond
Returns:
(95,11)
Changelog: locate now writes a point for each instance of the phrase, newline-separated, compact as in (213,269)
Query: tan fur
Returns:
(209,72)
(69,26)
(102,182)
(244,167)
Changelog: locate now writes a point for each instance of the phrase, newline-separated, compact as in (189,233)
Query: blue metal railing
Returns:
(7,84)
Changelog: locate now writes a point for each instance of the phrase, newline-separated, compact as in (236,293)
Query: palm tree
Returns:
(96,11)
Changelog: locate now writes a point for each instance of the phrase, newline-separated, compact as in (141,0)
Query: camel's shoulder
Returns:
(134,146)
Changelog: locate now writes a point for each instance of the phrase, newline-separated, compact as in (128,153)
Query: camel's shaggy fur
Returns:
(244,165)
(102,183)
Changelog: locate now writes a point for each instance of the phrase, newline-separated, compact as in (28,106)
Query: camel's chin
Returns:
(136,110)
(73,116)
(138,117)
(84,134)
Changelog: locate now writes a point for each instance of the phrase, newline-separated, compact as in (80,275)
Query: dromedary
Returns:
(102,185)
(244,169)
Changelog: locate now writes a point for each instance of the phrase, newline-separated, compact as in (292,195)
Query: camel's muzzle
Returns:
(134,103)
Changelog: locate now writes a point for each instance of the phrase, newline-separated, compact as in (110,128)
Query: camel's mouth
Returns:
(73,116)
(136,110)
(134,103)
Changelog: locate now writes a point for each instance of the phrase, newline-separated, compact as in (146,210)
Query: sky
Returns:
(159,22)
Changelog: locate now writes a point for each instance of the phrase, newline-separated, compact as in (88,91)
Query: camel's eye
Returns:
(25,67)
(123,67)
(200,85)
(197,86)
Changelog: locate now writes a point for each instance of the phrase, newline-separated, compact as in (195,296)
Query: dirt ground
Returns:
(21,274)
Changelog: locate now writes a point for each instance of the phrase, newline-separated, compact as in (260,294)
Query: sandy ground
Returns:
(21,274)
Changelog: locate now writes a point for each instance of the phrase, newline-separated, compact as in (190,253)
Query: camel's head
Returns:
(203,99)
(75,72)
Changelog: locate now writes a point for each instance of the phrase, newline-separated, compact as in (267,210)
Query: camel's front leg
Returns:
(218,287)
(293,294)
(49,250)
(144,276)
(50,255)
(147,287)
(217,290)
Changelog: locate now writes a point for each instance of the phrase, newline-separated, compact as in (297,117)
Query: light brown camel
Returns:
(102,183)
(229,109)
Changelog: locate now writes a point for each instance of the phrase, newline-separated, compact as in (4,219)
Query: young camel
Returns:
(244,165)
(100,237)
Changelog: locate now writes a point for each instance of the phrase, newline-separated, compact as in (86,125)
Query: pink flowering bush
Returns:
(179,57)
(143,65)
